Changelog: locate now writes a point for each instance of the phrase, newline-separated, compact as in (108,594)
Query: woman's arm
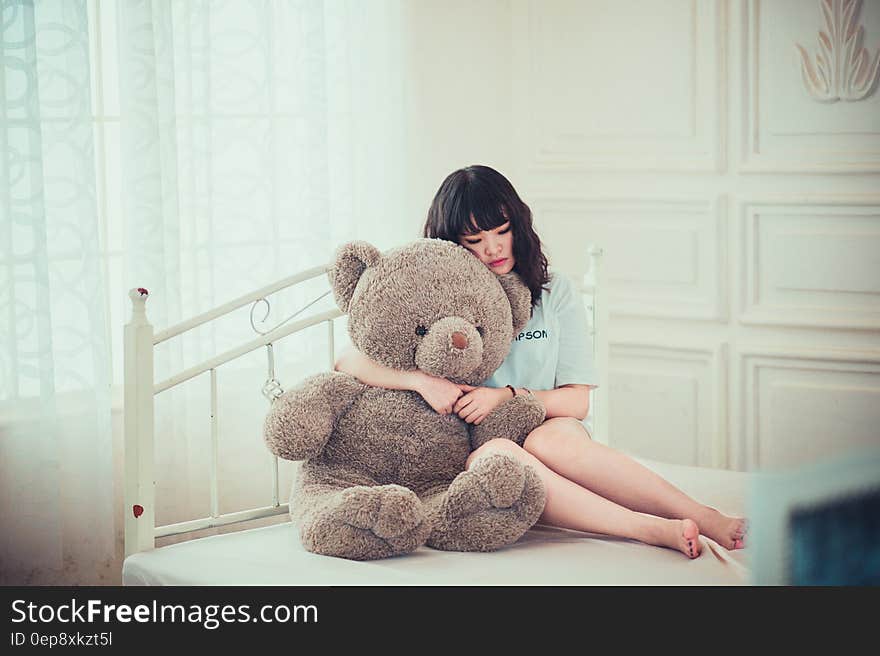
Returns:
(564,401)
(439,393)
(353,362)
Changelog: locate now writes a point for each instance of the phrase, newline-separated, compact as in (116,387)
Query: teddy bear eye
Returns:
(421,331)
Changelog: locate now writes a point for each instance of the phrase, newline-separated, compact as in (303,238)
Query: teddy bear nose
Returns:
(459,340)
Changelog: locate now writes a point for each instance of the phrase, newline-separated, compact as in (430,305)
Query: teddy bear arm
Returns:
(301,421)
(512,420)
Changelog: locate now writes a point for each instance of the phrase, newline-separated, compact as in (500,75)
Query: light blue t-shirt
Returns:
(555,347)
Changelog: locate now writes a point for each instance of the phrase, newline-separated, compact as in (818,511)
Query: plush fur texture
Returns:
(384,473)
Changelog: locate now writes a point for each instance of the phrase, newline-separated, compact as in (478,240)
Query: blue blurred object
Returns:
(818,525)
(837,543)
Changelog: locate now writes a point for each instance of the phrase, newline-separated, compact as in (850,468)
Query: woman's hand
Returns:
(478,402)
(438,393)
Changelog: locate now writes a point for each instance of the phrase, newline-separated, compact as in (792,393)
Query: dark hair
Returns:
(483,193)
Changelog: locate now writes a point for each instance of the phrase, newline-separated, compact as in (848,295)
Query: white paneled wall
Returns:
(833,282)
(668,251)
(680,391)
(457,94)
(787,127)
(801,404)
(619,85)
(734,185)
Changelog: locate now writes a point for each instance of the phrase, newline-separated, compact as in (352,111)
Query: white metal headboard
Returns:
(141,388)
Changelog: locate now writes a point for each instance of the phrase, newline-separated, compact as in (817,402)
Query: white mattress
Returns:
(273,555)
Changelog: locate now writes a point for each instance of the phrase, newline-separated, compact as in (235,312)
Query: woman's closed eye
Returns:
(504,229)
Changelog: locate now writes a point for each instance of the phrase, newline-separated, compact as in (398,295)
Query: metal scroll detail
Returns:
(269,309)
(272,388)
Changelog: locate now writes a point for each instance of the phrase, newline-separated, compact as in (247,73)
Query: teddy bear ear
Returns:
(520,300)
(352,259)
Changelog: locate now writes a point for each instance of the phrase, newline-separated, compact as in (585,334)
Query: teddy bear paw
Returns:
(508,483)
(391,513)
(489,506)
(513,420)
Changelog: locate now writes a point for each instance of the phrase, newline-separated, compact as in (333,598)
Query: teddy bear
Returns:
(382,472)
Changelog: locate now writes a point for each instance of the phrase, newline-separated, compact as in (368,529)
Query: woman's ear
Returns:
(520,300)
(352,259)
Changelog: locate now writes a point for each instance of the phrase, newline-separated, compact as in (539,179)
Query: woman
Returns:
(590,487)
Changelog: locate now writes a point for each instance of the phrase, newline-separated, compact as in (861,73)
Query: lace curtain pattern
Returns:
(198,149)
(55,439)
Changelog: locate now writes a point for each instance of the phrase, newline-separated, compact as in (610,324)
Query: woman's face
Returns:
(494,248)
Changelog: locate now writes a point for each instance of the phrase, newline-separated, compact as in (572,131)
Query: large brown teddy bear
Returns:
(383,472)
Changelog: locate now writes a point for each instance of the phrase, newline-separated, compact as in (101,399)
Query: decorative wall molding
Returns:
(578,144)
(783,130)
(835,399)
(810,261)
(700,371)
(843,69)
(664,257)
(670,260)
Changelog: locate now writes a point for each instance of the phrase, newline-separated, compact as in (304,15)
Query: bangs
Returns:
(482,204)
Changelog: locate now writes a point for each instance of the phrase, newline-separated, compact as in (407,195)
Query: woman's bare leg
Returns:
(571,506)
(564,446)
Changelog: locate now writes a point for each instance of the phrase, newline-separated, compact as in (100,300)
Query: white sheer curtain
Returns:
(55,438)
(200,150)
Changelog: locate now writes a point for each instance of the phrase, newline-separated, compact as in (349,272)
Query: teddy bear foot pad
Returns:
(489,506)
(367,523)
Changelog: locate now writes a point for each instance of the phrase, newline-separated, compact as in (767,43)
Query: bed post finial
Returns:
(138,297)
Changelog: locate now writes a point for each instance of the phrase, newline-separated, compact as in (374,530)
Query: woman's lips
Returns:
(498,263)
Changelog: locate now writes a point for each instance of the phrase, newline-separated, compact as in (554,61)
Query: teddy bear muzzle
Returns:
(452,348)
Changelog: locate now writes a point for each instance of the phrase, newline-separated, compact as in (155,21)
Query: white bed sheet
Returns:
(273,555)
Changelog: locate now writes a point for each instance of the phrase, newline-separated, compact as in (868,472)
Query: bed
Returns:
(273,555)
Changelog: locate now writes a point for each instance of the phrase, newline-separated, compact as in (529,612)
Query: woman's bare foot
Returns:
(681,534)
(729,532)
(687,537)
